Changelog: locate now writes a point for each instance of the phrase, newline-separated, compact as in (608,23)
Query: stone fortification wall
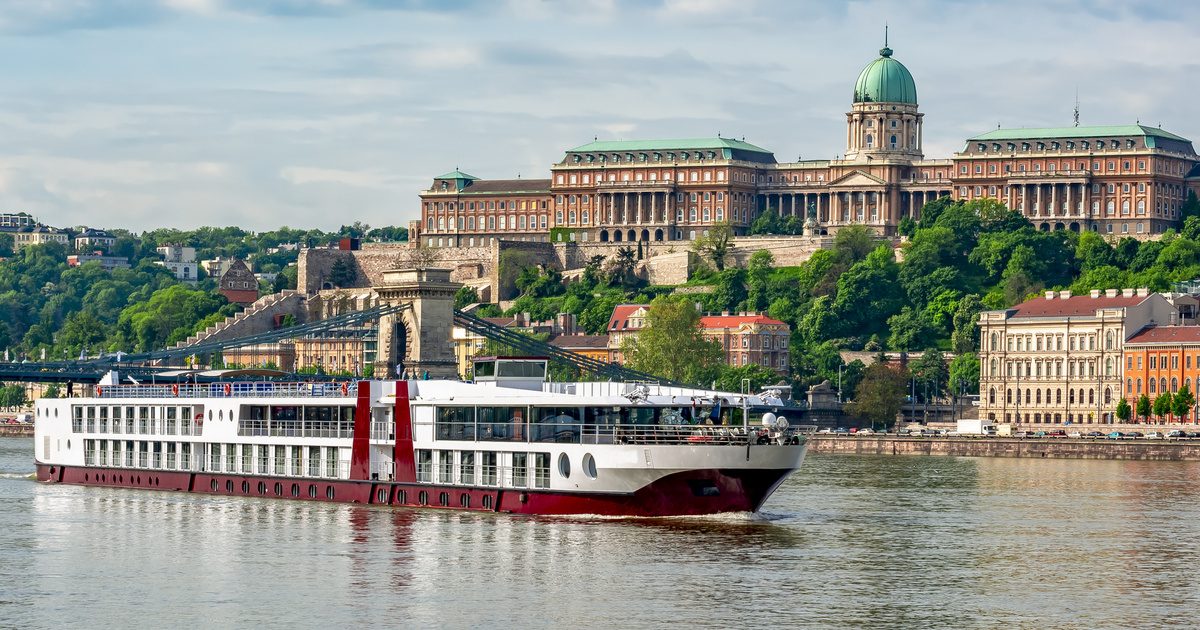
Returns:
(465,263)
(669,262)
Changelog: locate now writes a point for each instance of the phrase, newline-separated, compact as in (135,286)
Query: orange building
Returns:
(745,338)
(1160,359)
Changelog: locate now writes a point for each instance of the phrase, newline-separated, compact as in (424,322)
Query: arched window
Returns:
(892,141)
(1071,396)
(993,367)
(992,396)
(1151,385)
(1174,384)
(1139,386)
(1091,396)
(1108,340)
(1108,366)
(995,338)
(1028,397)
(1162,385)
(1038,398)
(1107,395)
(1058,396)
(1008,396)
(1128,387)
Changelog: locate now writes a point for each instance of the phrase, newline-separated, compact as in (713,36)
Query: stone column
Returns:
(1054,209)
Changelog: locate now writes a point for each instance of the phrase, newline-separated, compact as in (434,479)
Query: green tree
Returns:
(464,296)
(758,275)
(880,395)
(964,373)
(853,243)
(1162,405)
(671,345)
(715,244)
(621,267)
(1092,251)
(53,390)
(909,330)
(931,373)
(1182,403)
(342,273)
(767,223)
(965,337)
(730,378)
(1143,407)
(1124,412)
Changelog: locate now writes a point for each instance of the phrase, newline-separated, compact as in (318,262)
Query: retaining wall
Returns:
(1147,450)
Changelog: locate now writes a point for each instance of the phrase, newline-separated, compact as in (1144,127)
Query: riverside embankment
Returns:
(16,430)
(1059,448)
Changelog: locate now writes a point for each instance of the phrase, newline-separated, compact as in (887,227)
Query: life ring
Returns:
(228,389)
(99,391)
(175,389)
(345,389)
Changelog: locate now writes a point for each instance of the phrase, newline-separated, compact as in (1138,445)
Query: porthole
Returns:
(68,445)
(296,490)
(589,466)
(85,477)
(381,495)
(487,502)
(423,498)
(329,492)
(401,496)
(210,414)
(444,499)
(262,487)
(465,500)
(278,489)
(245,487)
(312,491)
(229,486)
(213,484)
(564,465)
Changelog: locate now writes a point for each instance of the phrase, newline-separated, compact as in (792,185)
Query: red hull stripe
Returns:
(360,446)
(402,455)
(695,492)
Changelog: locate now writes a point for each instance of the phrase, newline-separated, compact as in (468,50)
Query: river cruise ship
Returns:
(507,442)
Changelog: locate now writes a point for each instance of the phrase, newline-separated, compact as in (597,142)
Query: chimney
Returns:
(1063,295)
(1143,291)
(1126,292)
(725,313)
(1050,295)
(1095,293)
(1110,293)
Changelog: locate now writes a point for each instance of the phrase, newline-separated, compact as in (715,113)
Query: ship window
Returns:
(466,467)
(554,424)
(520,469)
(424,465)
(329,492)
(501,423)
(444,499)
(564,465)
(488,468)
(446,466)
(456,423)
(589,466)
(312,490)
(541,470)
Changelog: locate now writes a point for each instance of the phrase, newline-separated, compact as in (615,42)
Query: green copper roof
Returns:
(688,144)
(1102,131)
(885,80)
(457,174)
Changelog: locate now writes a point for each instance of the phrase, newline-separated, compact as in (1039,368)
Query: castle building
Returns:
(1160,359)
(1121,180)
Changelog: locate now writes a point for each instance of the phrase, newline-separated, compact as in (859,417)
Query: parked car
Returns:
(1041,434)
(825,430)
(1154,435)
(1134,434)
(1116,435)
(842,431)
(1057,433)
(865,432)
(1192,434)
(1075,435)
(1095,434)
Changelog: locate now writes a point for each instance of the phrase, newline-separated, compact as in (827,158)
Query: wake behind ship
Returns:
(508,442)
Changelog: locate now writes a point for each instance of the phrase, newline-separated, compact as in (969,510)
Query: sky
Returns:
(140,114)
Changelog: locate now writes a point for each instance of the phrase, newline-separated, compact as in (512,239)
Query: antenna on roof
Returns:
(885,34)
(1077,106)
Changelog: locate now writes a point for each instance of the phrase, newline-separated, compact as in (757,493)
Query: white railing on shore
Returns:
(249,389)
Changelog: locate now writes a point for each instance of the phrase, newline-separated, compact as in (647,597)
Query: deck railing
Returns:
(253,389)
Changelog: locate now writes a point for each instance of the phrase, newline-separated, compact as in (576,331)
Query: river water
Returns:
(849,542)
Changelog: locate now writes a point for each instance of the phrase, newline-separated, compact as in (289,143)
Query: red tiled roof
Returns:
(1165,334)
(731,321)
(619,320)
(580,341)
(1075,305)
(501,321)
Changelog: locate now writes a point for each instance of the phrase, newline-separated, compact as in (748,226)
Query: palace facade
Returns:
(1121,180)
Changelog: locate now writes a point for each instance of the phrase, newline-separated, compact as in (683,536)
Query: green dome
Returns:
(885,80)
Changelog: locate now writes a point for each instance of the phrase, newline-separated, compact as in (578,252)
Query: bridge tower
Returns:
(418,338)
